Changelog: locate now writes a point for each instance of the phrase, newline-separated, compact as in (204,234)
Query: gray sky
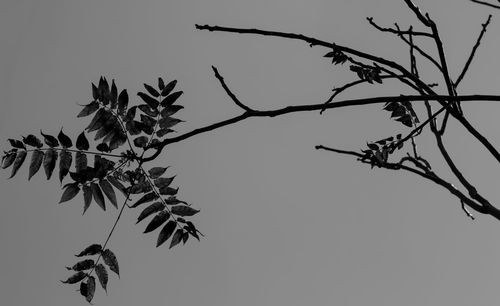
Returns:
(284,224)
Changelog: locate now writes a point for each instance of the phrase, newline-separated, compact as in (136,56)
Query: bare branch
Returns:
(423,19)
(486,3)
(228,91)
(471,56)
(395,31)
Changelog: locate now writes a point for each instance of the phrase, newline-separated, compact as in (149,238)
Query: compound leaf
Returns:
(169,100)
(151,209)
(32,140)
(70,192)
(168,88)
(97,195)
(75,278)
(89,109)
(108,191)
(156,172)
(102,275)
(90,289)
(87,197)
(157,221)
(65,160)
(110,260)
(18,162)
(90,250)
(64,140)
(82,143)
(36,163)
(50,140)
(151,91)
(145,198)
(176,238)
(153,103)
(183,210)
(166,232)
(49,162)
(83,265)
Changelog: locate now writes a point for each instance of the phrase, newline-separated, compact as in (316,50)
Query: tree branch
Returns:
(228,91)
(486,3)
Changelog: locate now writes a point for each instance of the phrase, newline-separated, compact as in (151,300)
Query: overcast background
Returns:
(284,224)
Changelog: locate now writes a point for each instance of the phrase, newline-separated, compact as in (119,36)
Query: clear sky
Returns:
(284,224)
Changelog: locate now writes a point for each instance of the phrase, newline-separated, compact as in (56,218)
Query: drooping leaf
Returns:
(90,289)
(183,210)
(166,232)
(80,161)
(145,198)
(173,201)
(106,127)
(406,120)
(65,160)
(49,162)
(151,209)
(50,140)
(168,122)
(70,192)
(82,143)
(83,289)
(104,90)
(97,195)
(18,162)
(153,103)
(83,265)
(156,172)
(168,191)
(90,250)
(140,188)
(97,120)
(75,278)
(102,275)
(168,88)
(132,127)
(170,99)
(148,121)
(192,230)
(176,238)
(163,181)
(122,101)
(170,110)
(151,90)
(64,140)
(89,109)
(9,160)
(102,147)
(108,191)
(110,260)
(95,92)
(161,84)
(36,163)
(141,141)
(118,140)
(148,110)
(17,144)
(157,221)
(117,184)
(163,132)
(87,197)
(32,140)
(185,237)
(131,113)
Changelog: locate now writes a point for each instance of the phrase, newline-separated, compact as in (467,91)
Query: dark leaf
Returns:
(122,101)
(117,184)
(102,275)
(169,100)
(148,121)
(165,233)
(75,278)
(146,198)
(104,90)
(146,129)
(65,160)
(106,128)
(131,113)
(89,109)
(151,209)
(9,160)
(95,92)
(81,142)
(161,84)
(64,140)
(70,192)
(156,172)
(118,140)
(168,88)
(185,237)
(329,54)
(108,191)
(163,132)
(49,162)
(50,140)
(140,188)
(102,147)
(99,119)
(153,103)
(157,221)
(406,120)
(132,127)
(18,162)
(110,260)
(170,110)
(183,210)
(173,201)
(90,250)
(80,161)
(90,289)
(83,289)
(163,182)
(176,238)
(87,197)
(36,163)
(83,265)
(141,141)
(113,94)
(148,110)
(168,122)
(192,230)
(151,91)
(98,196)
(32,140)
(372,146)
(17,144)
(168,191)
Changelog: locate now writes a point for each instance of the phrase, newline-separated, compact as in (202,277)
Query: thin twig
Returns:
(228,91)
(394,31)
(486,3)
(471,56)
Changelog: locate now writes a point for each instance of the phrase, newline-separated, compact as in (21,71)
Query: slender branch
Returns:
(423,19)
(486,3)
(228,91)
(394,31)
(73,150)
(473,52)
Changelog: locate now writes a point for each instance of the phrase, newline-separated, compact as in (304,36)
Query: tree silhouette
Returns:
(127,137)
